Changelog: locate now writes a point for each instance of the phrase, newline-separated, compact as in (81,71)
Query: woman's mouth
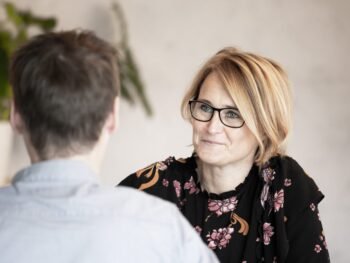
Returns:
(212,142)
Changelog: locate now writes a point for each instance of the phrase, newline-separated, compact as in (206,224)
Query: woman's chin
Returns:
(209,157)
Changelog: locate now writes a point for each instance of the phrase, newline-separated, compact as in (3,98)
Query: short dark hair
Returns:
(64,86)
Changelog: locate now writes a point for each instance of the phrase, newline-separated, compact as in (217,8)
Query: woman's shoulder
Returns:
(161,172)
(176,168)
(298,188)
(290,174)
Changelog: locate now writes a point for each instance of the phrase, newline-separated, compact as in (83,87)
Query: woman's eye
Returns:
(206,108)
(231,114)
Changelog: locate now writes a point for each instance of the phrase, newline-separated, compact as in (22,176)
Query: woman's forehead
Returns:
(214,92)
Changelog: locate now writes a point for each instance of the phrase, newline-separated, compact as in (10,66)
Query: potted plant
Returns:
(14,31)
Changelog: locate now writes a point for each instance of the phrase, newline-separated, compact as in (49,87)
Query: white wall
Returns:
(171,39)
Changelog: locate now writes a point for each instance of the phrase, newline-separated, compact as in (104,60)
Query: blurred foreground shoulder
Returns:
(162,221)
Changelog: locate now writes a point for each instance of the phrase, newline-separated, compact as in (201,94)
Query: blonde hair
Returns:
(260,89)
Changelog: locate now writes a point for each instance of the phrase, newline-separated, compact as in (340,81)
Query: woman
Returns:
(247,200)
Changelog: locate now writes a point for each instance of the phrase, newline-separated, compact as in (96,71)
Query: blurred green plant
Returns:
(14,31)
(132,88)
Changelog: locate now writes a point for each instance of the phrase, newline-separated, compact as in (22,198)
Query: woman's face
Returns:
(215,143)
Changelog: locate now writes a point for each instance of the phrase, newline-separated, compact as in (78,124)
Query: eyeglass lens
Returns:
(202,111)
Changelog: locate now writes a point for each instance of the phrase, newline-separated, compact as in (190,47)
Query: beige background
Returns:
(171,39)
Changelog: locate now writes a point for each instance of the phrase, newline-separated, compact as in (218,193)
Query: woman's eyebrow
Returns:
(204,100)
(224,107)
(230,106)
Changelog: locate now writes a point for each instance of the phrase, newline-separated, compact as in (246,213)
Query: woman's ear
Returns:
(16,120)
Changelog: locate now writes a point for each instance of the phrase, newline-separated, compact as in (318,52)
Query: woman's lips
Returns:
(212,142)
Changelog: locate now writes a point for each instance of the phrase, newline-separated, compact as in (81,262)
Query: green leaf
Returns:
(124,84)
(6,41)
(13,15)
(4,88)
(132,87)
(45,24)
(21,37)
(134,77)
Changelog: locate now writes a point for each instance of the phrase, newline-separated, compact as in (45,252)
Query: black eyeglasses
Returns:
(202,111)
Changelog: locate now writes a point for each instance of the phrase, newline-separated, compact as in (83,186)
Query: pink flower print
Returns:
(169,160)
(222,206)
(317,248)
(313,207)
(177,186)
(287,182)
(268,175)
(198,229)
(191,185)
(278,200)
(268,232)
(182,202)
(264,194)
(219,238)
(325,244)
(162,166)
(322,238)
(165,182)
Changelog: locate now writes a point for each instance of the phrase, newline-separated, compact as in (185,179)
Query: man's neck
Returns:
(92,158)
(87,159)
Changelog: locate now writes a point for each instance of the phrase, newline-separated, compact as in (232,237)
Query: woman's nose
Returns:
(215,125)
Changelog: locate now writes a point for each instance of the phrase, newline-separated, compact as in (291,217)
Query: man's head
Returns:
(65,86)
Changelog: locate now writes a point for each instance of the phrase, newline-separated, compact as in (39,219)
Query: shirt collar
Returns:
(67,171)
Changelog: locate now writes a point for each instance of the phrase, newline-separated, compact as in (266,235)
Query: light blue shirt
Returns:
(56,211)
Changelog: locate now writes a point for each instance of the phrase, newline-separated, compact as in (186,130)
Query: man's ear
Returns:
(16,120)
(112,122)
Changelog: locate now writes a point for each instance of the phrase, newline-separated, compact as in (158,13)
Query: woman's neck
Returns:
(220,179)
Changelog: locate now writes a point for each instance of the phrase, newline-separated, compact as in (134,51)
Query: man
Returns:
(66,90)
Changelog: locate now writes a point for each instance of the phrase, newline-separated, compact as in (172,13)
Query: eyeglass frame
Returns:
(214,110)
